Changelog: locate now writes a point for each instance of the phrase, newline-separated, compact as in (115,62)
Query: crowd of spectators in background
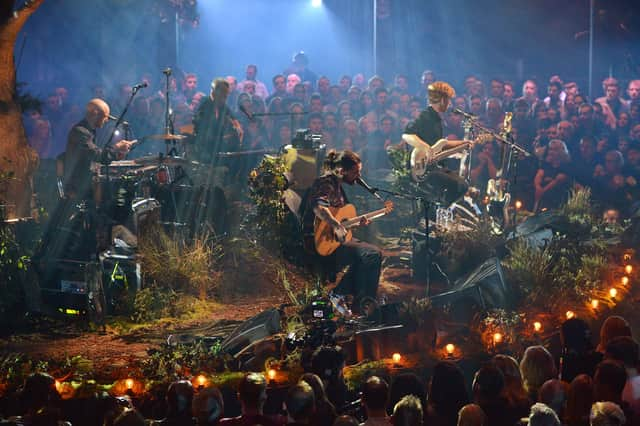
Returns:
(571,383)
(576,140)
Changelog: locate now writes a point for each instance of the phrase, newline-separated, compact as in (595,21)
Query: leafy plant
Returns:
(152,303)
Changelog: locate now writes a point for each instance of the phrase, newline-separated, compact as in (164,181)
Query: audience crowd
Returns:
(575,140)
(575,384)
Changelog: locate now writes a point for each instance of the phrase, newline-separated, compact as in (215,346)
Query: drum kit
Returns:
(121,185)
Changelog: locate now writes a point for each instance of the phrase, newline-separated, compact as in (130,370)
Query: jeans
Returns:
(364,261)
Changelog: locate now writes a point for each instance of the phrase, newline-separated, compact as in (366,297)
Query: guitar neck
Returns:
(449,152)
(355,221)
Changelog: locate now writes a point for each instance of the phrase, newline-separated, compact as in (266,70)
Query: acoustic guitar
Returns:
(324,238)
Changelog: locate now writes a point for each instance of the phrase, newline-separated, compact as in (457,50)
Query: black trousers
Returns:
(364,261)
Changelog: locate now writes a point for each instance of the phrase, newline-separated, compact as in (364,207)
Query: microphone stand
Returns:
(426,206)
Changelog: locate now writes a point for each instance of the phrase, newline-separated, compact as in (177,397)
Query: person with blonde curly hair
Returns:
(536,367)
(426,132)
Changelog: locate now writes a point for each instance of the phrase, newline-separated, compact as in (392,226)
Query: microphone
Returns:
(140,86)
(246,112)
(114,118)
(464,114)
(167,71)
(366,186)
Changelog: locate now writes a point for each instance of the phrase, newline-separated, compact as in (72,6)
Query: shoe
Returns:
(340,304)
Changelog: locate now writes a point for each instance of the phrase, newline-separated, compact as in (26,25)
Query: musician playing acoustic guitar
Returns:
(321,209)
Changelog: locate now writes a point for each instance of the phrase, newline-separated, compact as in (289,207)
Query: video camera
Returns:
(304,139)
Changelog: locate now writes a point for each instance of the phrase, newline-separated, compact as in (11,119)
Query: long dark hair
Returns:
(341,159)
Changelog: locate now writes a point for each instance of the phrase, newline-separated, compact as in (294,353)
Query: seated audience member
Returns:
(130,418)
(472,415)
(513,389)
(488,385)
(447,394)
(327,363)
(542,415)
(553,393)
(606,414)
(179,400)
(40,400)
(252,394)
(375,393)
(611,216)
(208,406)
(614,326)
(406,384)
(346,420)
(578,354)
(407,412)
(536,367)
(552,179)
(325,411)
(609,382)
(300,404)
(579,401)
(610,186)
(584,163)
(625,350)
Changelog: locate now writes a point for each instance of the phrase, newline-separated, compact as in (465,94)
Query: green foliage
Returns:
(399,159)
(563,270)
(16,367)
(355,375)
(463,250)
(13,273)
(578,208)
(152,303)
(415,311)
(175,362)
(267,184)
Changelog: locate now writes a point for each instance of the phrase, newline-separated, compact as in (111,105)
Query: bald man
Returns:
(82,150)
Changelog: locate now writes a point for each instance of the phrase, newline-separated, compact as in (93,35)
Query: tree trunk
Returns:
(18,161)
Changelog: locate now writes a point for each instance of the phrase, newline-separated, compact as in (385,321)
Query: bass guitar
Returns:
(422,158)
(324,238)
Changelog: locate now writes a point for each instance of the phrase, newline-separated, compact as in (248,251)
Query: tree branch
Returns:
(21,15)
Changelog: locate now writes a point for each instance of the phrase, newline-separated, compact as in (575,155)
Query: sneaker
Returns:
(340,304)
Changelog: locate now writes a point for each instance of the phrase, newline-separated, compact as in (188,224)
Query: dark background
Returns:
(79,43)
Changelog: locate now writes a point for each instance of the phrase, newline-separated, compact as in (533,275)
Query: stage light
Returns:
(450,348)
(626,257)
(117,133)
(613,292)
(537,326)
(628,269)
(316,3)
(570,314)
(497,338)
(201,380)
(271,374)
(129,384)
(396,358)
(594,303)
(624,280)
(518,205)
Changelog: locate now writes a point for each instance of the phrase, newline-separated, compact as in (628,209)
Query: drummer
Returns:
(82,151)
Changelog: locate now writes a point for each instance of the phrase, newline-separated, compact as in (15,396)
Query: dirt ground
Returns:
(113,350)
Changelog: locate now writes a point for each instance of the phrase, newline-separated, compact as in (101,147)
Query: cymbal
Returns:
(166,137)
(158,159)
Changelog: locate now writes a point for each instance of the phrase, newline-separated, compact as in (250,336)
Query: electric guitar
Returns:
(324,238)
(421,161)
